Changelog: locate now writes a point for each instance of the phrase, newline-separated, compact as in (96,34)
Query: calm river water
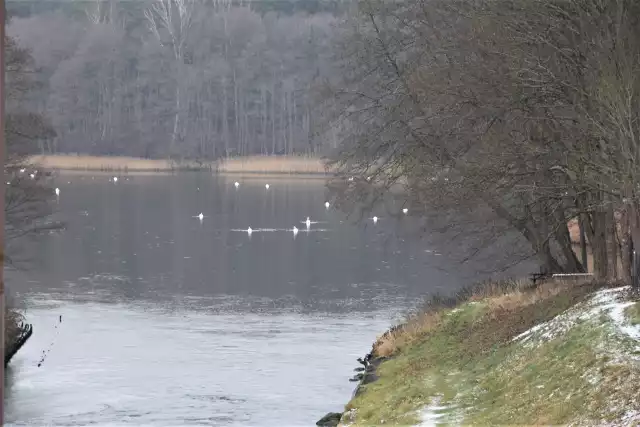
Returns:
(172,320)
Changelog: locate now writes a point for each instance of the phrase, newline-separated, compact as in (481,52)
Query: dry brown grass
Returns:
(523,295)
(273,165)
(108,163)
(417,326)
(496,300)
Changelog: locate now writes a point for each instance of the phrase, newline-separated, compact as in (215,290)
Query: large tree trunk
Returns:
(583,243)
(624,239)
(599,244)
(634,222)
(572,263)
(612,245)
(263,108)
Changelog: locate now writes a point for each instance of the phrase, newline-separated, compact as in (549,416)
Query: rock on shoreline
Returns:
(366,375)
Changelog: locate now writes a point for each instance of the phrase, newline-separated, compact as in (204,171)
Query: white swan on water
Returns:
(375,219)
(236,184)
(327,204)
(115,179)
(249,231)
(405,211)
(33,175)
(308,222)
(266,186)
(57,191)
(200,217)
(22,170)
(295,230)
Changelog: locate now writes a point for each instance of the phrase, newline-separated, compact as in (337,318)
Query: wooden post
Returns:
(2,195)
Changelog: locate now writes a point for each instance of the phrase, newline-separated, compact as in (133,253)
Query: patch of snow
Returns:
(348,418)
(528,333)
(604,301)
(631,416)
(434,413)
(617,315)
(431,414)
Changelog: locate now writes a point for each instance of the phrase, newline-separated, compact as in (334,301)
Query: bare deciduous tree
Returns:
(528,109)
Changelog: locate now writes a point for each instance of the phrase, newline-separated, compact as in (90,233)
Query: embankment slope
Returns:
(508,353)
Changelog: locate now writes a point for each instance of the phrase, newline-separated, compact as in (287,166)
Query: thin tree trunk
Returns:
(225,118)
(263,108)
(273,119)
(176,124)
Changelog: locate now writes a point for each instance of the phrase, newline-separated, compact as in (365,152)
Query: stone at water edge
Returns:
(332,419)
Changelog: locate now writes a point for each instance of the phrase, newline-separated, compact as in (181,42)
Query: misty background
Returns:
(175,78)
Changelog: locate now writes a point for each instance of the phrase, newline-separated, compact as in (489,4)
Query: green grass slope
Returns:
(558,354)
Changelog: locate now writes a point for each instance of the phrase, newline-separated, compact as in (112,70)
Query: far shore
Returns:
(80,163)
(282,165)
(252,165)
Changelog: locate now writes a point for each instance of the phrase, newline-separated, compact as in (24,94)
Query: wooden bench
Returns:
(538,277)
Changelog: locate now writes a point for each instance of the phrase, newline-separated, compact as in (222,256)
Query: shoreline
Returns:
(250,166)
(447,364)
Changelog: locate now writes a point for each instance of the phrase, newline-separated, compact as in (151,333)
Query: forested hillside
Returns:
(176,78)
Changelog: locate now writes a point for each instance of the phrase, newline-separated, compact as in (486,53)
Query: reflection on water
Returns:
(124,364)
(172,319)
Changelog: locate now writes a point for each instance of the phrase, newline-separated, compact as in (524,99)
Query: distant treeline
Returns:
(175,78)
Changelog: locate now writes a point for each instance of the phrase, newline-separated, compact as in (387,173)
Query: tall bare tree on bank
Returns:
(170,21)
(525,108)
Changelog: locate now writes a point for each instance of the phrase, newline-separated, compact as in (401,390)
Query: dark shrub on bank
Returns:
(14,321)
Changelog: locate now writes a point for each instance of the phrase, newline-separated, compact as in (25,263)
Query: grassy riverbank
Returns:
(509,354)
